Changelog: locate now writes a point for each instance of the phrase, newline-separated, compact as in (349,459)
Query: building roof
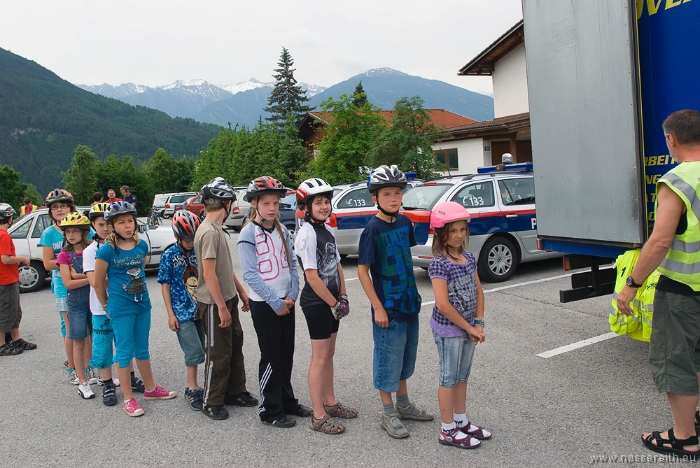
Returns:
(483,64)
(518,123)
(440,117)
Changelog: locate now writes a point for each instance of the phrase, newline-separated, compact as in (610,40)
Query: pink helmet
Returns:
(447,212)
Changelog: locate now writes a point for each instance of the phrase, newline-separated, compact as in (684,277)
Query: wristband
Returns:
(479,322)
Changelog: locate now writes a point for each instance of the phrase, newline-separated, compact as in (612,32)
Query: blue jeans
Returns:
(395,349)
(102,342)
(131,337)
(456,355)
(79,321)
(191,339)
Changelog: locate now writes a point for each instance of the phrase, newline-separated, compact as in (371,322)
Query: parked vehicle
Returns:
(287,213)
(26,232)
(194,205)
(159,201)
(239,210)
(175,202)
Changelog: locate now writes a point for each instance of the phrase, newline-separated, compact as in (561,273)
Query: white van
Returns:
(159,201)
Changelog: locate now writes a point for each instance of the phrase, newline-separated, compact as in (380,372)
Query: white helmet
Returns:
(385,176)
(312,187)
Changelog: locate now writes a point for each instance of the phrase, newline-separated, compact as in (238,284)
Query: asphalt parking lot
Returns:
(563,410)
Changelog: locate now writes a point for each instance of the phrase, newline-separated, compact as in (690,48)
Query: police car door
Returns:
(517,198)
(478,197)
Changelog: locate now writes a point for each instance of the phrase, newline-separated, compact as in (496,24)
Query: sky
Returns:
(155,42)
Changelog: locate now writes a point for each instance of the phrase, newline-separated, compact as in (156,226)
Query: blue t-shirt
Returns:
(386,248)
(180,271)
(51,237)
(127,279)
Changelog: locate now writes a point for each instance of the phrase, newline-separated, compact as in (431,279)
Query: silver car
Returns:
(26,232)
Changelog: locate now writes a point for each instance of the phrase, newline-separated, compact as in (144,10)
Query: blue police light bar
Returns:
(519,167)
(410,174)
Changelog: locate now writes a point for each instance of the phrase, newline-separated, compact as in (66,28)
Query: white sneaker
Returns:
(85,391)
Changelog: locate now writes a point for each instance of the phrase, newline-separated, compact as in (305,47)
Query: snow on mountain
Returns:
(383,72)
(311,89)
(245,86)
(116,92)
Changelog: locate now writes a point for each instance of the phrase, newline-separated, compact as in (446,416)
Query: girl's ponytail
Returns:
(278,226)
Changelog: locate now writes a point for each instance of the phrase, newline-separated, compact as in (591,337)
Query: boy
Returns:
(385,251)
(217,303)
(10,309)
(178,278)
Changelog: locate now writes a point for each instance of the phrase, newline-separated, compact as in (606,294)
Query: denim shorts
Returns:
(191,338)
(79,321)
(61,306)
(395,349)
(102,342)
(456,355)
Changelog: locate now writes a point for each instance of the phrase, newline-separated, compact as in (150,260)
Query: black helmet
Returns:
(217,191)
(264,185)
(119,208)
(58,195)
(385,176)
(6,212)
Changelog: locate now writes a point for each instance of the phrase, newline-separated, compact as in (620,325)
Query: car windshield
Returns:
(422,197)
(180,198)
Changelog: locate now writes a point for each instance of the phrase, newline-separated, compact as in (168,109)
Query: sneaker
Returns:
(23,345)
(283,421)
(7,350)
(73,376)
(457,438)
(194,397)
(65,363)
(215,412)
(85,391)
(301,411)
(132,408)
(240,399)
(109,395)
(91,376)
(159,393)
(137,384)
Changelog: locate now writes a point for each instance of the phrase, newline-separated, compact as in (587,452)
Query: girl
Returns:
(60,203)
(323,301)
(270,270)
(457,321)
(76,229)
(129,308)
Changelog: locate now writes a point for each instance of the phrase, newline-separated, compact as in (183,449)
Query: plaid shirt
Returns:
(461,291)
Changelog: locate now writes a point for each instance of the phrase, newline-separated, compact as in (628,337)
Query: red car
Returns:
(195,205)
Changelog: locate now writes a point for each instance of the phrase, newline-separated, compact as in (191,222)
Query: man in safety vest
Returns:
(28,207)
(674,247)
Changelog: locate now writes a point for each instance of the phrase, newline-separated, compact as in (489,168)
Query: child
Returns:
(385,251)
(323,300)
(178,278)
(76,229)
(10,309)
(270,270)
(218,290)
(103,335)
(457,321)
(122,258)
(60,203)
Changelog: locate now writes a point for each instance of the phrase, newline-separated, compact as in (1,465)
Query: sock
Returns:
(448,427)
(461,419)
(107,382)
(69,369)
(402,401)
(389,409)
(133,375)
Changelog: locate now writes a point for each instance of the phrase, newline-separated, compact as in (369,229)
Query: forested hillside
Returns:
(43,118)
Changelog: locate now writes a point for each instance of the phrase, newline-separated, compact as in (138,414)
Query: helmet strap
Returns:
(179,244)
(387,213)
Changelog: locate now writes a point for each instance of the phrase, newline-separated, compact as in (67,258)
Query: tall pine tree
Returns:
(359,97)
(287,97)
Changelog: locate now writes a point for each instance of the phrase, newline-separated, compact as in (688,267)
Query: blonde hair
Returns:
(278,226)
(112,238)
(440,238)
(84,239)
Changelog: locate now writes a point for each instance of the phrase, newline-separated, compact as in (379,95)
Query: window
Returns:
(356,199)
(22,231)
(475,195)
(517,191)
(448,157)
(42,223)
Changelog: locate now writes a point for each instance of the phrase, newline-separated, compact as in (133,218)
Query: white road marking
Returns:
(577,345)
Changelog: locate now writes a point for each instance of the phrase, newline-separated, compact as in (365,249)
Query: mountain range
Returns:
(243,103)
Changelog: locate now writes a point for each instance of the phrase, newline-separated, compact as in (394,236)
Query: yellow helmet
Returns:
(98,210)
(75,220)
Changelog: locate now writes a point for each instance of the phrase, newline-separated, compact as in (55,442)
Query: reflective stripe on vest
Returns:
(682,261)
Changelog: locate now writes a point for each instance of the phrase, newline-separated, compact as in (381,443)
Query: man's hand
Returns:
(224,316)
(381,318)
(173,323)
(624,298)
(245,302)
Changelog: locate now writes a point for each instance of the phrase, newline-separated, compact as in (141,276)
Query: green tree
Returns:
(81,178)
(114,172)
(292,156)
(160,171)
(13,191)
(350,133)
(286,97)
(359,97)
(408,141)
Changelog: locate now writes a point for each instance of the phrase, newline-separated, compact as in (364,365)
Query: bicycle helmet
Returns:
(312,187)
(98,211)
(58,195)
(119,208)
(185,224)
(217,190)
(75,220)
(385,176)
(448,212)
(264,185)
(6,212)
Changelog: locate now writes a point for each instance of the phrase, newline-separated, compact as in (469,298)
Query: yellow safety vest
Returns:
(682,261)
(23,209)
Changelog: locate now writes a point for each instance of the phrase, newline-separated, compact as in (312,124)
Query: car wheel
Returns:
(497,260)
(32,277)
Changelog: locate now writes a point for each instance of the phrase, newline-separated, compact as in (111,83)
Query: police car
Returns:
(503,225)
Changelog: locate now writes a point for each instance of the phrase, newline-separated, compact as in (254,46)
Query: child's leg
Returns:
(88,348)
(144,366)
(316,379)
(268,329)
(102,355)
(236,377)
(460,398)
(79,359)
(123,327)
(67,343)
(125,377)
(192,377)
(328,388)
(446,400)
(286,360)
(141,330)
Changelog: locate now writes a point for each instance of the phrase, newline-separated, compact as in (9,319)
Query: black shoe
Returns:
(23,345)
(194,397)
(109,396)
(7,350)
(240,399)
(215,412)
(137,384)
(282,421)
(301,411)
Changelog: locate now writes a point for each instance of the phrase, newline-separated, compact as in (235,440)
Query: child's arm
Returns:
(319,287)
(99,281)
(49,258)
(10,260)
(293,270)
(479,306)
(212,281)
(245,306)
(380,316)
(172,319)
(249,264)
(442,301)
(68,280)
(342,280)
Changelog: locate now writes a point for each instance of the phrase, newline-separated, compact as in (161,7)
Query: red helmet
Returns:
(264,185)
(185,224)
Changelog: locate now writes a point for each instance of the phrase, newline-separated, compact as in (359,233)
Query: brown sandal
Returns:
(339,410)
(327,425)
